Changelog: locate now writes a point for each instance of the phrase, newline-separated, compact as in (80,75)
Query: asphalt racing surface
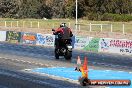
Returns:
(14,59)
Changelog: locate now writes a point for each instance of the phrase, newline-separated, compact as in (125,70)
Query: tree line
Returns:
(113,10)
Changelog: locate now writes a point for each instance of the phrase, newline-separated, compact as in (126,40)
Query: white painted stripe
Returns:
(16,60)
(27,69)
(32,80)
(28,62)
(53,66)
(130,72)
(33,62)
(107,70)
(120,71)
(22,61)
(62,78)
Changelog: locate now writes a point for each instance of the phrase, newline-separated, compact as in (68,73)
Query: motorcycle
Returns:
(63,48)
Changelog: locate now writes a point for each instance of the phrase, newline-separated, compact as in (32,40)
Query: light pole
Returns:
(76,18)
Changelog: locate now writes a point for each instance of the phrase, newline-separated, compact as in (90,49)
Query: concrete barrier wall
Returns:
(45,39)
(92,45)
(108,45)
(80,42)
(28,38)
(2,35)
(121,46)
(41,39)
(50,39)
(13,37)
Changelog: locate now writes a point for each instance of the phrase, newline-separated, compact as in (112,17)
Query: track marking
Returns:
(61,78)
(130,72)
(107,70)
(47,65)
(30,79)
(29,62)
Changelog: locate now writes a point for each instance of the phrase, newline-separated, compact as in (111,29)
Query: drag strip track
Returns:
(96,59)
(15,58)
(17,79)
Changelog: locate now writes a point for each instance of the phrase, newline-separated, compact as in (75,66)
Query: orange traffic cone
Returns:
(78,64)
(84,80)
(78,60)
(84,68)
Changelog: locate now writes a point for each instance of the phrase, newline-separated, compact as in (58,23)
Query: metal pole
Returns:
(38,24)
(31,24)
(5,24)
(101,27)
(111,28)
(90,26)
(69,25)
(11,24)
(17,23)
(23,24)
(123,28)
(76,18)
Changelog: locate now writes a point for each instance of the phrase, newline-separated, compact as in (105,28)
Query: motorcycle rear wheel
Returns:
(56,54)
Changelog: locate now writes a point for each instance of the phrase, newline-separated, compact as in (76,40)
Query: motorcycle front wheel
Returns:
(68,55)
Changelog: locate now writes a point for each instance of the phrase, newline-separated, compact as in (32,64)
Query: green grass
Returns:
(49,24)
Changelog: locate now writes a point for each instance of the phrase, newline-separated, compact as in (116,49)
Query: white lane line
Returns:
(38,63)
(41,64)
(16,60)
(107,70)
(130,72)
(23,60)
(28,62)
(61,78)
(30,79)
(4,58)
(33,62)
(120,71)
(27,69)
(109,65)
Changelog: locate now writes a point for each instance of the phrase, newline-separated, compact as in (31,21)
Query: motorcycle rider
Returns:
(64,33)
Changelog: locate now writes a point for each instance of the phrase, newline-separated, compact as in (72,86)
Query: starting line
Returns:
(70,73)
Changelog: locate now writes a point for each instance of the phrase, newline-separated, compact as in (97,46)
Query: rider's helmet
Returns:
(63,25)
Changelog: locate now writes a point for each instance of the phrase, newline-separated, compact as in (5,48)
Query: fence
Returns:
(123,28)
(107,45)
(30,24)
(101,27)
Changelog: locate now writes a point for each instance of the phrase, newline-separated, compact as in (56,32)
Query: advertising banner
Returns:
(50,40)
(13,37)
(80,42)
(41,39)
(28,38)
(104,45)
(121,46)
(93,45)
(2,35)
